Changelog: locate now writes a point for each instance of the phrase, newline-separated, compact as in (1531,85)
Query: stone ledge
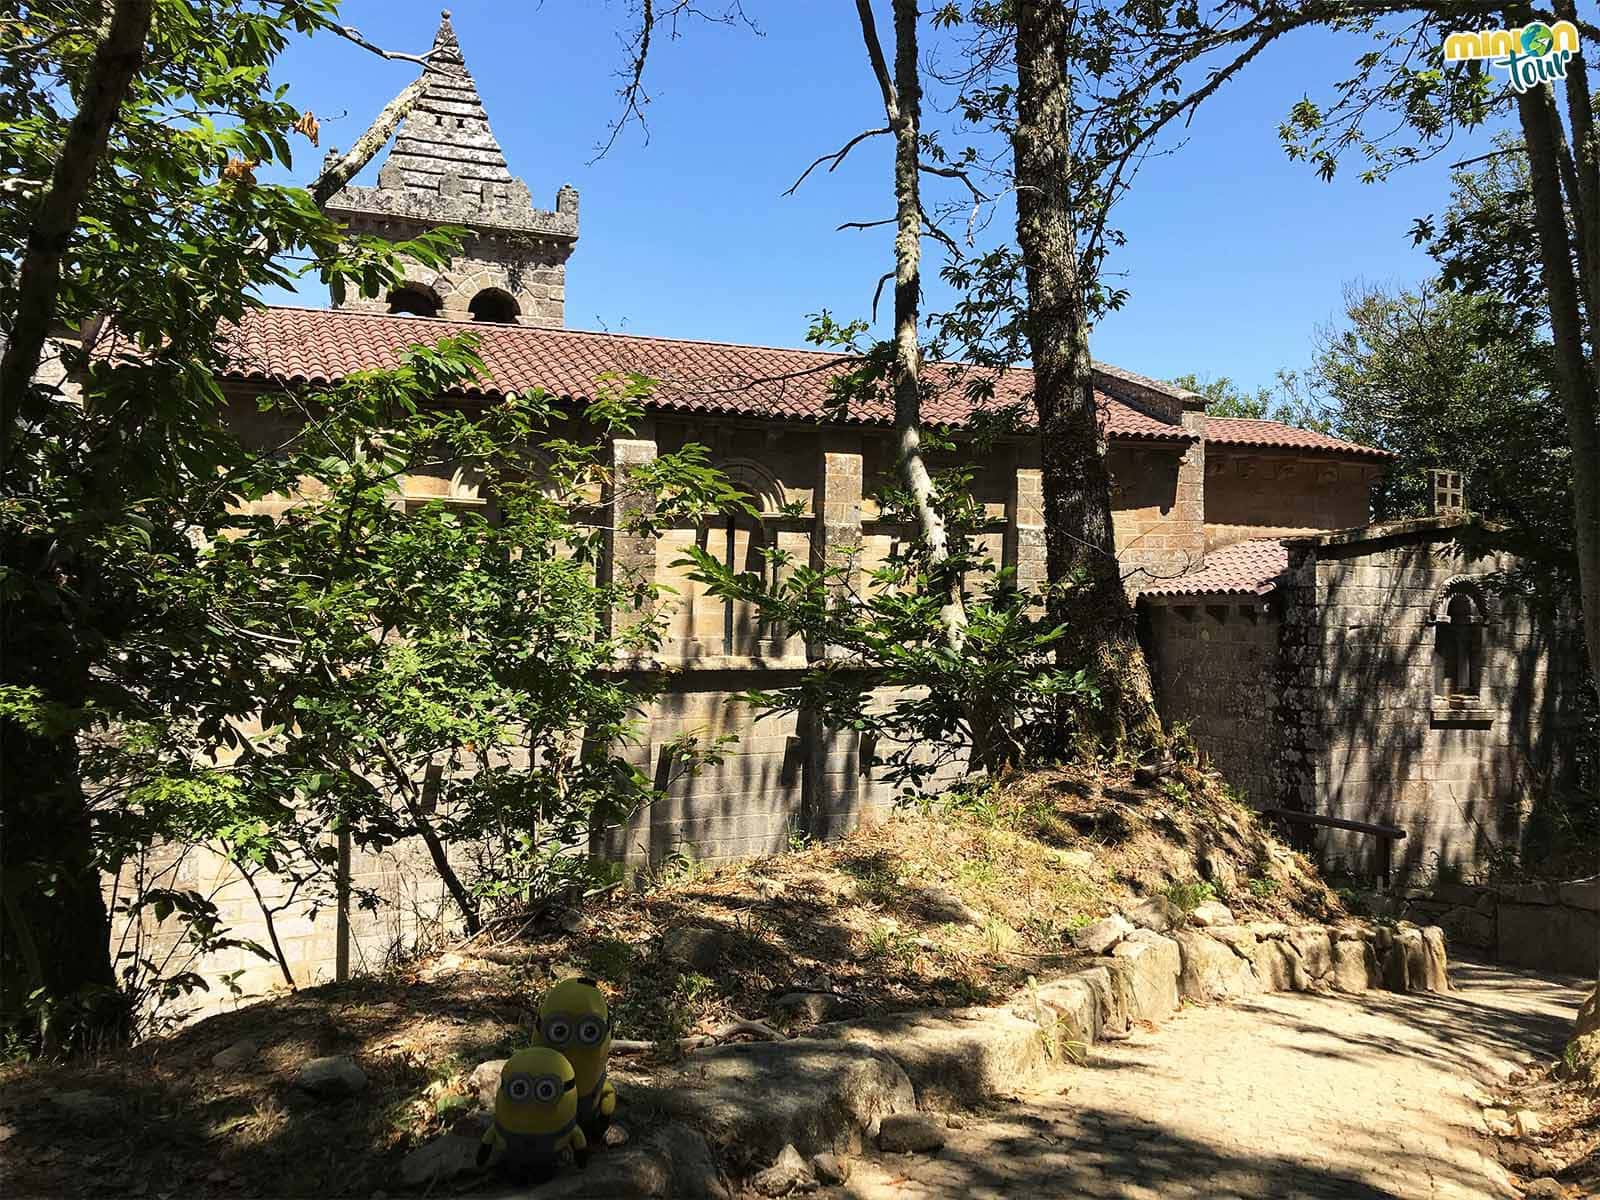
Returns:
(828,1093)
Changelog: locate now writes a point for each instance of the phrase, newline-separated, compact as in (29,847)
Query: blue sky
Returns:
(1235,255)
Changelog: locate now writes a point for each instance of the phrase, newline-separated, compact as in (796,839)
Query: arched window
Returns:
(743,543)
(1458,623)
(414,300)
(464,489)
(495,306)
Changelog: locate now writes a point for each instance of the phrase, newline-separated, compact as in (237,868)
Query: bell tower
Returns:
(446,168)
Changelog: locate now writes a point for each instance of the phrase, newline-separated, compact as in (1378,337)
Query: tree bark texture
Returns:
(902,103)
(1577,375)
(1086,591)
(57,982)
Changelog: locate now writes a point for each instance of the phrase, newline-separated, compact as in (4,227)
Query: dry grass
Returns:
(866,918)
(1570,1113)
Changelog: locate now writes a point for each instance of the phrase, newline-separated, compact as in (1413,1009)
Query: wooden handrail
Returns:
(1305,818)
(1388,835)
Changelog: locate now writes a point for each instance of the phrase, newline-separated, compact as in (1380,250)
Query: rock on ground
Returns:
(810,1007)
(1156,913)
(787,1175)
(332,1078)
(1355,966)
(438,1160)
(236,1055)
(1314,949)
(943,904)
(1211,970)
(951,1056)
(830,1169)
(1215,866)
(1099,936)
(911,1133)
(697,946)
(752,1099)
(485,1081)
(1154,963)
(1210,913)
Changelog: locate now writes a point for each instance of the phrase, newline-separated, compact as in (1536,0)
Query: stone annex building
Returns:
(1325,664)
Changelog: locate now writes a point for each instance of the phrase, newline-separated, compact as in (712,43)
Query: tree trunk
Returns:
(902,103)
(58,987)
(1575,373)
(56,976)
(416,806)
(1086,592)
(116,60)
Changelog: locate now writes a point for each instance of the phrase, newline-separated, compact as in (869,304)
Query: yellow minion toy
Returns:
(575,1019)
(535,1126)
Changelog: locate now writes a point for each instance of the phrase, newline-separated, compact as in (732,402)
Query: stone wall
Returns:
(1547,926)
(1215,668)
(362,912)
(1159,504)
(1365,730)
(791,776)
(528,268)
(1265,493)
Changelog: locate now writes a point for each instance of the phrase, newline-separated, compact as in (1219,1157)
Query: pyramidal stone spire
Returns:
(447,168)
(445,146)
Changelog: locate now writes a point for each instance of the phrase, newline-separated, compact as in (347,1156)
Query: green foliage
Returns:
(458,660)
(1263,887)
(1402,104)
(928,711)
(113,480)
(1190,896)
(1448,379)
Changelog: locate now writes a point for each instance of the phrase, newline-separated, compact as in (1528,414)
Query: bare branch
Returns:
(877,292)
(880,68)
(1519,148)
(351,34)
(837,156)
(651,16)
(336,172)
(954,173)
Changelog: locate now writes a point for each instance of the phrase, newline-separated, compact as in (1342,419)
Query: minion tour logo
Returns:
(1533,55)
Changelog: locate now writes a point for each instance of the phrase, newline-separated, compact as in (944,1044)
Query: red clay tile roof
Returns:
(317,346)
(1243,431)
(1244,568)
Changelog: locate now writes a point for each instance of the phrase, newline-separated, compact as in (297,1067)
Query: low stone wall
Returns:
(1548,926)
(736,1108)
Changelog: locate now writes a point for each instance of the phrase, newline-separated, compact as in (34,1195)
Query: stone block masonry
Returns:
(1372,725)
(1547,926)
(447,168)
(1216,670)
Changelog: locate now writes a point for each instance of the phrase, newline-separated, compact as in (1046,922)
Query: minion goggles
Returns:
(544,1089)
(561,1029)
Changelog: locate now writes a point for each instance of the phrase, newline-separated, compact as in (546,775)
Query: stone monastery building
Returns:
(1325,664)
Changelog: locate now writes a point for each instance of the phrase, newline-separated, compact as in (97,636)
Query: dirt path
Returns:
(1281,1096)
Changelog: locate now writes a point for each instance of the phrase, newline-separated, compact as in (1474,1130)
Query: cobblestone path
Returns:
(1279,1096)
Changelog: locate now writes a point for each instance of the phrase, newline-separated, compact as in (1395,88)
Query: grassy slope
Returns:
(865,918)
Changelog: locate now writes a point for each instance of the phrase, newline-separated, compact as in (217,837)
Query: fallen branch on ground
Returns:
(756,1029)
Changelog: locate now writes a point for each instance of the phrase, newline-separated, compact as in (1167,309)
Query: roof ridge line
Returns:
(1099,367)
